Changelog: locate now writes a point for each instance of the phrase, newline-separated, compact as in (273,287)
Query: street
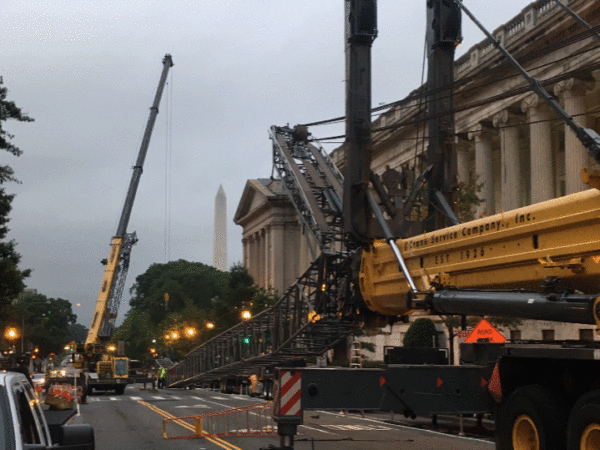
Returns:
(134,421)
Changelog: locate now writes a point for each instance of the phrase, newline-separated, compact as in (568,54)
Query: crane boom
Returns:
(117,264)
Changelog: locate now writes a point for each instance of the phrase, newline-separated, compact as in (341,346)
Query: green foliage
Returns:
(137,331)
(239,296)
(198,294)
(9,111)
(468,198)
(421,333)
(78,332)
(185,282)
(11,277)
(46,321)
(367,346)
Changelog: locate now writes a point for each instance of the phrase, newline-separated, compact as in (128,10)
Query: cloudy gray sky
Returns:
(87,72)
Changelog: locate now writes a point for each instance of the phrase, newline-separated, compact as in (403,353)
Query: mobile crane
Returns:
(96,357)
(537,262)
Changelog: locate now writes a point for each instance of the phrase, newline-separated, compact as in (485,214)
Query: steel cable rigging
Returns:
(502,68)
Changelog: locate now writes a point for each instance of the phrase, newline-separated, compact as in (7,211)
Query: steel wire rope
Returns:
(499,68)
(420,103)
(505,78)
(554,119)
(511,93)
(168,164)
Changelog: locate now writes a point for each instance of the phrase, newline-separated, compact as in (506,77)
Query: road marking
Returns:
(175,398)
(158,397)
(192,406)
(215,440)
(114,399)
(221,398)
(135,398)
(320,431)
(358,427)
(401,426)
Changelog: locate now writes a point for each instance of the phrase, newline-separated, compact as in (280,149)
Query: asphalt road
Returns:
(134,421)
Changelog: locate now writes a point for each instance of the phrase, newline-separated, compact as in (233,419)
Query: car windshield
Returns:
(7,440)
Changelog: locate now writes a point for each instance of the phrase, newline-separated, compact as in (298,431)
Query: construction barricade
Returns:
(253,420)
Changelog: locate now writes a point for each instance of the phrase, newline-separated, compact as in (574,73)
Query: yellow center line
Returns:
(215,440)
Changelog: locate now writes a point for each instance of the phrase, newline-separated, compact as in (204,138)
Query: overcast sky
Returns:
(87,72)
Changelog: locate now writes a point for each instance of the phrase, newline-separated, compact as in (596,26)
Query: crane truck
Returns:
(538,262)
(96,360)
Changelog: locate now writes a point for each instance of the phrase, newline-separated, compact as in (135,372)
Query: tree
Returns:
(137,331)
(421,333)
(239,295)
(46,322)
(184,281)
(468,198)
(78,332)
(11,277)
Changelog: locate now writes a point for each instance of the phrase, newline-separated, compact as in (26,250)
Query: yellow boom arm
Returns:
(513,250)
(101,312)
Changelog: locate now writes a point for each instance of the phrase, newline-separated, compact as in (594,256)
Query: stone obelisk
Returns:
(220,244)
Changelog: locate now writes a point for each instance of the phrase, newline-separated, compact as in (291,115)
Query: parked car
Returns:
(23,421)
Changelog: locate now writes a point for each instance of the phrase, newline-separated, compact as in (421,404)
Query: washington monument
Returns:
(220,245)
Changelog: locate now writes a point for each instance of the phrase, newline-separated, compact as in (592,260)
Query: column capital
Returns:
(574,87)
(533,104)
(480,130)
(505,118)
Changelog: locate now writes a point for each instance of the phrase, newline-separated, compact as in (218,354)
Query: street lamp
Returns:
(190,332)
(210,325)
(246,314)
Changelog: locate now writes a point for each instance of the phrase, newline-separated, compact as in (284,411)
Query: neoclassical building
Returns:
(276,250)
(518,148)
(521,152)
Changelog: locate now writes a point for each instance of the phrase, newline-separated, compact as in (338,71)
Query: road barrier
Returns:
(253,420)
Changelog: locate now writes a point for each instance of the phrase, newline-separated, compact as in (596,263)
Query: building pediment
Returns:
(257,195)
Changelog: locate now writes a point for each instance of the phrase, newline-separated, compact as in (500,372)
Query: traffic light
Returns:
(246,339)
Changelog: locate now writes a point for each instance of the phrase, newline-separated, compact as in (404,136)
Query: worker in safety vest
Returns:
(162,376)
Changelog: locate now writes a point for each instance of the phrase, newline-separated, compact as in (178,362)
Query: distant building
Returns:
(276,252)
(220,244)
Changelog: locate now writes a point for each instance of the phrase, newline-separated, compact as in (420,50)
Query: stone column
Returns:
(262,259)
(279,258)
(268,257)
(483,168)
(252,256)
(540,138)
(510,160)
(462,163)
(245,252)
(573,93)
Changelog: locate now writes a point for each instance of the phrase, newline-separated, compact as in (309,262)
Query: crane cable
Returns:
(168,163)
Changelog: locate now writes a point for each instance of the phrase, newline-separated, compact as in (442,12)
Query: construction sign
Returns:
(485,332)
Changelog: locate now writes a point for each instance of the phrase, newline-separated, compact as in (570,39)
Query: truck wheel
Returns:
(119,390)
(583,429)
(532,418)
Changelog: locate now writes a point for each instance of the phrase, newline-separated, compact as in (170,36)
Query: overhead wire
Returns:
(500,68)
(478,103)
